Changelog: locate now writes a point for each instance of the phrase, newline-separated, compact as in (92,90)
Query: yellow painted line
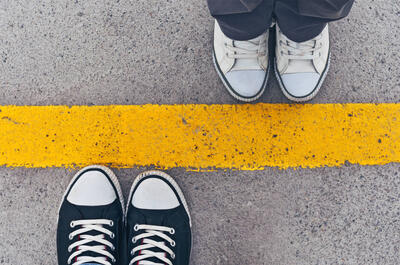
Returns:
(200,137)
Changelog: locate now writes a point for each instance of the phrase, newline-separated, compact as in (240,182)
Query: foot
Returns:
(90,219)
(158,221)
(301,67)
(242,65)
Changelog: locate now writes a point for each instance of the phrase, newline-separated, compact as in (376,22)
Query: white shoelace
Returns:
(251,49)
(308,50)
(143,249)
(84,226)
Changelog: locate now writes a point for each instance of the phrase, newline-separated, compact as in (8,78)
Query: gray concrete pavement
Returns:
(346,215)
(137,52)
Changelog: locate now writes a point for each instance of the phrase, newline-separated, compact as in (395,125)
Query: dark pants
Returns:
(299,20)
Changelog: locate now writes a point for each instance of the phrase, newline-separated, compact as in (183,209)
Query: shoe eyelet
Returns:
(113,260)
(173,256)
(132,252)
(70,237)
(69,249)
(136,227)
(173,244)
(112,236)
(172,231)
(111,223)
(72,224)
(112,248)
(133,240)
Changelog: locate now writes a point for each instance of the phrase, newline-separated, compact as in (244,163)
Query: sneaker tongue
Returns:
(159,218)
(248,43)
(247,64)
(94,254)
(245,44)
(299,65)
(157,250)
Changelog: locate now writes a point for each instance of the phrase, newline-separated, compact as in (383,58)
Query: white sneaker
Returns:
(242,65)
(301,67)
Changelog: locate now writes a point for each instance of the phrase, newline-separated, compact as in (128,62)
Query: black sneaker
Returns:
(158,221)
(90,222)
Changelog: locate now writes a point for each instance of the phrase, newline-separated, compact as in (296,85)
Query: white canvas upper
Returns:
(301,67)
(154,194)
(243,64)
(92,188)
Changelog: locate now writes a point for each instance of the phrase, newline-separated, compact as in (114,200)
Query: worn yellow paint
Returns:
(200,137)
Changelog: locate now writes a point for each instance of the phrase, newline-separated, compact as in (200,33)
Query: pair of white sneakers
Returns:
(243,66)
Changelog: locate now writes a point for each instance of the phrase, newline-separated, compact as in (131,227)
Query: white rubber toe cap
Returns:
(154,194)
(300,84)
(246,83)
(92,188)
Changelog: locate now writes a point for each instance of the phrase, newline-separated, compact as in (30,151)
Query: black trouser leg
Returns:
(300,20)
(242,19)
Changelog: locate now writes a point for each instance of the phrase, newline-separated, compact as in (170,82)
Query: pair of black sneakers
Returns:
(95,228)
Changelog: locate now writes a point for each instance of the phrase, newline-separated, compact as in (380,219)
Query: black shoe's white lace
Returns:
(80,248)
(142,253)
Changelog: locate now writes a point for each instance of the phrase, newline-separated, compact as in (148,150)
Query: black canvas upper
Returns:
(176,218)
(70,212)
